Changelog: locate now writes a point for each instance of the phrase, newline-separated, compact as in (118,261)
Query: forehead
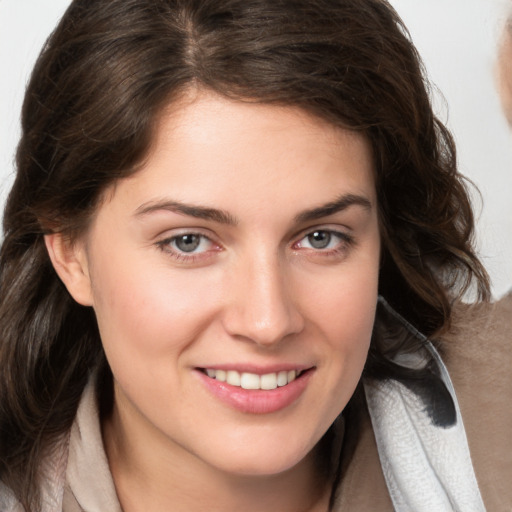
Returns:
(218,152)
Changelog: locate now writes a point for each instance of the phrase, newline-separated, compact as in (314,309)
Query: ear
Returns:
(69,260)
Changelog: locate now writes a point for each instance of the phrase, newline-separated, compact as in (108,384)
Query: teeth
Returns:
(233,378)
(252,380)
(282,378)
(269,381)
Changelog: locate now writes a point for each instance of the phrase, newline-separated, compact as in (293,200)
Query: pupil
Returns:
(319,239)
(188,243)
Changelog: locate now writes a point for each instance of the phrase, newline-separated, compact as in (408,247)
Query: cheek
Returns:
(344,310)
(350,334)
(145,311)
(342,316)
(345,301)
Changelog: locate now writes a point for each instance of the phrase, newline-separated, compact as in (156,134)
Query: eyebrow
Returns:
(341,203)
(199,212)
(221,216)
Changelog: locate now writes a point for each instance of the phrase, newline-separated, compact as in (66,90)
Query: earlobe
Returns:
(70,262)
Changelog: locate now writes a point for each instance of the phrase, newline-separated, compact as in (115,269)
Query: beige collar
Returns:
(88,475)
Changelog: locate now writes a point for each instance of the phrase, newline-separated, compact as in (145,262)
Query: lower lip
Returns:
(256,401)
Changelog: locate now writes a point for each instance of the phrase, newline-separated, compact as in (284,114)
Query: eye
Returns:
(187,244)
(323,239)
(319,239)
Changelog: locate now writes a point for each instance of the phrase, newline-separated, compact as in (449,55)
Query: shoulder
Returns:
(484,324)
(478,354)
(478,348)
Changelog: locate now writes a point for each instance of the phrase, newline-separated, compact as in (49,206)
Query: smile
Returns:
(256,393)
(246,380)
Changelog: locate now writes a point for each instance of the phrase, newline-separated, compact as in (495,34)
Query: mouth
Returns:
(254,381)
(257,392)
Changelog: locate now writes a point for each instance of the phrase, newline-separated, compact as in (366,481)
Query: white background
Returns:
(457,39)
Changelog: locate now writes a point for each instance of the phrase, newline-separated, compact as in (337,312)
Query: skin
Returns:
(254,292)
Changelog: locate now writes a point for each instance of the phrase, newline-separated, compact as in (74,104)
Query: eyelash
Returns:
(166,245)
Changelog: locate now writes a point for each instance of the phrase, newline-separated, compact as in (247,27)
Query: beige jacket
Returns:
(478,353)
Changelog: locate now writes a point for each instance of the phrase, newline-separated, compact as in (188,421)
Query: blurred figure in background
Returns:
(504,70)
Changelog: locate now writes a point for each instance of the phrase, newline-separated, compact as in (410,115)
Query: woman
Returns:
(210,197)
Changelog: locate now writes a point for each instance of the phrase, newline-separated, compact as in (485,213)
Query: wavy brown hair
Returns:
(88,119)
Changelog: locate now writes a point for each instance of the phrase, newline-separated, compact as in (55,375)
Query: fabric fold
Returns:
(427,466)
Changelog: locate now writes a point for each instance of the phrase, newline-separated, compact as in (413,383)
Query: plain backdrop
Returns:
(458,42)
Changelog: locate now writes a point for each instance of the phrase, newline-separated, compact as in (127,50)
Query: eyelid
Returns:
(176,232)
(342,231)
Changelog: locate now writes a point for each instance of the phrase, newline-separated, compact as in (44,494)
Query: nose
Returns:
(262,307)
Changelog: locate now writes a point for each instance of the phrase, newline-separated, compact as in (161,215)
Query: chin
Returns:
(262,459)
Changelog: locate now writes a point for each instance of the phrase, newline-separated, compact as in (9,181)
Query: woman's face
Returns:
(244,254)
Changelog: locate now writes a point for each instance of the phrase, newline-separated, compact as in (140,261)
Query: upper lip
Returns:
(257,369)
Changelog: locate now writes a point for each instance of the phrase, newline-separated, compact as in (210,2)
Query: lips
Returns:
(259,392)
